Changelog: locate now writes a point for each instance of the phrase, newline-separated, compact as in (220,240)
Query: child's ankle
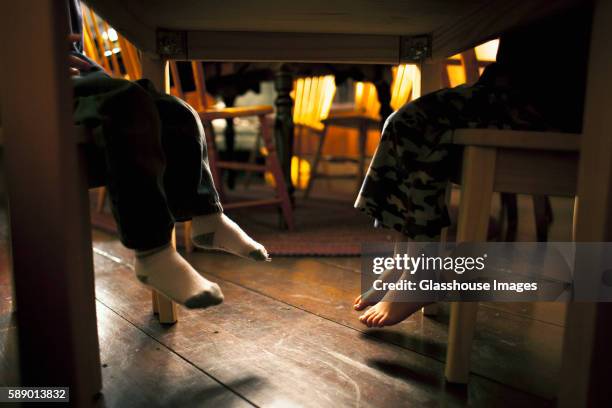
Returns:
(149,252)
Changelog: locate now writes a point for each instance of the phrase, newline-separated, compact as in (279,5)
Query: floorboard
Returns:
(511,346)
(274,353)
(138,371)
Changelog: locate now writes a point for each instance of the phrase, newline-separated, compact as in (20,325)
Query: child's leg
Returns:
(189,184)
(371,296)
(406,182)
(404,190)
(126,126)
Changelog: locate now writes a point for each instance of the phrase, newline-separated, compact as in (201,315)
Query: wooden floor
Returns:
(286,336)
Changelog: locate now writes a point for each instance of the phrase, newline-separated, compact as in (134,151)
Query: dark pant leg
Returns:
(126,126)
(188,182)
(405,185)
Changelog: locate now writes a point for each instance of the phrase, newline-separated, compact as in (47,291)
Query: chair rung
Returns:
(251,203)
(241,166)
(236,112)
(337,159)
(333,176)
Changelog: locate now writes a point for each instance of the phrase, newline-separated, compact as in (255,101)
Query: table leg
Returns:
(383,90)
(46,182)
(283,126)
(587,356)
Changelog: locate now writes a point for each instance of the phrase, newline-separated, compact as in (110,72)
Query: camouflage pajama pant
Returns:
(405,186)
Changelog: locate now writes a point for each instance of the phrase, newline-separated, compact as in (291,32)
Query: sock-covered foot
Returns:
(167,272)
(371,296)
(218,231)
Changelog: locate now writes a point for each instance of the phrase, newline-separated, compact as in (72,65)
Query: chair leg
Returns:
(165,309)
(101,200)
(154,302)
(363,138)
(476,193)
(460,335)
(213,157)
(252,160)
(315,164)
(297,152)
(510,213)
(543,216)
(273,164)
(433,309)
(187,237)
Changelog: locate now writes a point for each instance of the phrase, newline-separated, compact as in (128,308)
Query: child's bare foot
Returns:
(388,313)
(371,296)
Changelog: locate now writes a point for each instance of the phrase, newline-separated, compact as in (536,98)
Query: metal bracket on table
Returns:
(415,48)
(172,44)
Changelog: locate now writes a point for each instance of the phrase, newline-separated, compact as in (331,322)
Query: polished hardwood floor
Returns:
(287,336)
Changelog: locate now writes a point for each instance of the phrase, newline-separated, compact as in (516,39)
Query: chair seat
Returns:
(350,119)
(527,162)
(517,139)
(241,166)
(236,112)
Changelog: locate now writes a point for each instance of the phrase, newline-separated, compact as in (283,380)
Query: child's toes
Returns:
(377,319)
(371,319)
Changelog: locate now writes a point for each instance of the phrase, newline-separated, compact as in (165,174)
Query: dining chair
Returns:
(508,161)
(467,67)
(505,161)
(208,114)
(362,115)
(313,97)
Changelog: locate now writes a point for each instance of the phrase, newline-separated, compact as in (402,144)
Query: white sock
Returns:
(217,231)
(167,272)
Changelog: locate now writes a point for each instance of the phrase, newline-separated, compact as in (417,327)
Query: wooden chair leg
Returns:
(154,302)
(165,309)
(187,237)
(297,152)
(509,212)
(273,164)
(363,138)
(315,164)
(474,209)
(252,160)
(101,200)
(433,309)
(213,157)
(460,335)
(542,213)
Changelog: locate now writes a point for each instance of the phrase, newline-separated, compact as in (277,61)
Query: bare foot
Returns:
(371,296)
(388,313)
